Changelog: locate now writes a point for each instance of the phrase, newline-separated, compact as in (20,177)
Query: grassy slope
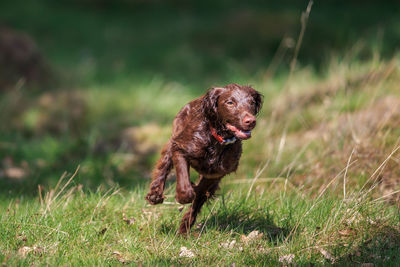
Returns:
(296,202)
(315,131)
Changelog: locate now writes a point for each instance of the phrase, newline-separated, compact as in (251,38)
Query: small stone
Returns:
(254,235)
(186,253)
(286,259)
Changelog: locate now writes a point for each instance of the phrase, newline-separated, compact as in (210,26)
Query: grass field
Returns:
(318,182)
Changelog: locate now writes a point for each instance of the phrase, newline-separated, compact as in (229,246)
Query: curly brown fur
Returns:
(231,111)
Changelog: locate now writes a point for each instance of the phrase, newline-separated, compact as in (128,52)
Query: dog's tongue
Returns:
(239,133)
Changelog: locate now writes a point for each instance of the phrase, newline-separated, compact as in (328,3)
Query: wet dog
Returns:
(207,135)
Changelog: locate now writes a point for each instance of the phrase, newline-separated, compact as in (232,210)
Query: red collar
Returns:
(219,138)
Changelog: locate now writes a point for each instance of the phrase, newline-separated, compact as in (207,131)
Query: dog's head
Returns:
(233,107)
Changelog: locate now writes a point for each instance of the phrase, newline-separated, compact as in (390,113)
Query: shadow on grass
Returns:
(381,248)
(244,221)
(239,217)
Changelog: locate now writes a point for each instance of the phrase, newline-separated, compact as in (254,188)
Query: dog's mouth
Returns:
(241,134)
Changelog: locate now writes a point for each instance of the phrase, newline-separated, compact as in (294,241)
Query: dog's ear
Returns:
(258,101)
(210,102)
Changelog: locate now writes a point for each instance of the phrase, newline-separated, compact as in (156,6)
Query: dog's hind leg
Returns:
(160,173)
(204,190)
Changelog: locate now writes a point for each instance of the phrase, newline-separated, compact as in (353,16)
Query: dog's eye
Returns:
(229,102)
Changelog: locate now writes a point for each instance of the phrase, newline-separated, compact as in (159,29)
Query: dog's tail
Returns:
(159,175)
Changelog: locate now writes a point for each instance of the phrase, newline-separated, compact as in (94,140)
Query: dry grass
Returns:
(344,126)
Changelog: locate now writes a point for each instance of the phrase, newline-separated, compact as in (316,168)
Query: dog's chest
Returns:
(217,161)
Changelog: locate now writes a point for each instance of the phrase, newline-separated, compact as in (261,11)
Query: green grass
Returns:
(289,186)
(318,180)
(92,228)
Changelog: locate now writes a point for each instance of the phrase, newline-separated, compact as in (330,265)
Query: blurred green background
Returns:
(97,83)
(195,42)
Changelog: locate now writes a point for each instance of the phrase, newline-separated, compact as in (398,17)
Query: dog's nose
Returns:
(249,120)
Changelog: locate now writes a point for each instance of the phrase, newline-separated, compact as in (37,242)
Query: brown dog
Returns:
(207,135)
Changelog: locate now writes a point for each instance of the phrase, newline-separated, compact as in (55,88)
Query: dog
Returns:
(207,135)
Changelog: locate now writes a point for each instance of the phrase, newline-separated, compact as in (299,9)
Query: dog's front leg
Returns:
(184,189)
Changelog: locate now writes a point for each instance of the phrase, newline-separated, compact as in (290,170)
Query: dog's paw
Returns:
(186,196)
(186,223)
(184,229)
(154,198)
